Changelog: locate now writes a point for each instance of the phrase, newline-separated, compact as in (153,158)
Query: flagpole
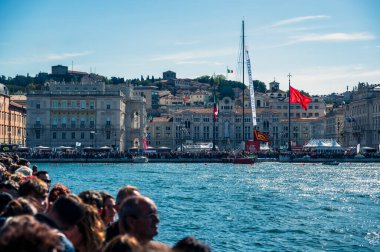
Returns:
(243,80)
(289,141)
(213,124)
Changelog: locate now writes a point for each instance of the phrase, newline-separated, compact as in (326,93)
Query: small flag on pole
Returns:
(230,71)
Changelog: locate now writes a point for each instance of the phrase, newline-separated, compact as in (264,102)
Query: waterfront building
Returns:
(19,99)
(335,124)
(85,114)
(362,115)
(12,119)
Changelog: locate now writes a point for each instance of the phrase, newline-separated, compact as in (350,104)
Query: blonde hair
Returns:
(92,228)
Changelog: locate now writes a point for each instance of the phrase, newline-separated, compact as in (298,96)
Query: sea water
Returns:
(260,207)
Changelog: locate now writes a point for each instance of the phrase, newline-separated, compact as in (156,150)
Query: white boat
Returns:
(140,159)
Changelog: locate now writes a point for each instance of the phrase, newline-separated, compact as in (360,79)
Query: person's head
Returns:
(92,197)
(56,191)
(125,192)
(5,198)
(23,161)
(24,233)
(24,170)
(138,218)
(11,187)
(89,232)
(19,206)
(109,210)
(190,244)
(36,191)
(34,169)
(44,176)
(122,243)
(67,211)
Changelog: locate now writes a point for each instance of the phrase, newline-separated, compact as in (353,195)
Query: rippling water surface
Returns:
(264,207)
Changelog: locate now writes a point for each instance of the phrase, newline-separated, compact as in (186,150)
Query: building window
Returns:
(82,135)
(108,106)
(73,122)
(38,106)
(38,134)
(82,104)
(64,104)
(54,135)
(108,122)
(92,122)
(72,135)
(108,135)
(63,135)
(64,122)
(54,104)
(82,122)
(92,105)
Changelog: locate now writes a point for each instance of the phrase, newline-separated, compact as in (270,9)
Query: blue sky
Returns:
(326,45)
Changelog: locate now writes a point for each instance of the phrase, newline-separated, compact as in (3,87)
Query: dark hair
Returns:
(5,198)
(190,244)
(33,187)
(24,233)
(22,161)
(19,206)
(69,209)
(41,172)
(92,197)
(10,184)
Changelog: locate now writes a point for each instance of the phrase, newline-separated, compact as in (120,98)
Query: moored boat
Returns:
(243,160)
(140,159)
(331,163)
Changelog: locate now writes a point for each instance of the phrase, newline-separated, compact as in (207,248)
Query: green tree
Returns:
(259,86)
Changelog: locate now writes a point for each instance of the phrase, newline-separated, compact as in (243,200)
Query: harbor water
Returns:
(260,207)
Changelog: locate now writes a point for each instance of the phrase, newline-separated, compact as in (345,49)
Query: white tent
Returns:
(323,145)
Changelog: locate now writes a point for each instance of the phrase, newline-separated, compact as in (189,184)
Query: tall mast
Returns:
(243,79)
(289,141)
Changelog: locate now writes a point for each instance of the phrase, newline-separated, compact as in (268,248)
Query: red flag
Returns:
(145,143)
(215,109)
(297,97)
(260,136)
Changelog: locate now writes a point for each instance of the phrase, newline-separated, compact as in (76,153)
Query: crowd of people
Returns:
(186,155)
(35,216)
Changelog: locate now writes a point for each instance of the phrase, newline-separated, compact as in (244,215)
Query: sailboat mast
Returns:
(243,46)
(289,141)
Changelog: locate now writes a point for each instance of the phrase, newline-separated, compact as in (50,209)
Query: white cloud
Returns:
(333,37)
(62,56)
(298,20)
(378,46)
(45,58)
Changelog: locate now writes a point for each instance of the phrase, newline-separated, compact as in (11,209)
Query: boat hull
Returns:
(243,161)
(140,160)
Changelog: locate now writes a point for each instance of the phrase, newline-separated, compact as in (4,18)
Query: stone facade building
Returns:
(12,119)
(86,114)
(362,117)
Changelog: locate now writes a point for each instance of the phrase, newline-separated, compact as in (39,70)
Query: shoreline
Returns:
(198,160)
